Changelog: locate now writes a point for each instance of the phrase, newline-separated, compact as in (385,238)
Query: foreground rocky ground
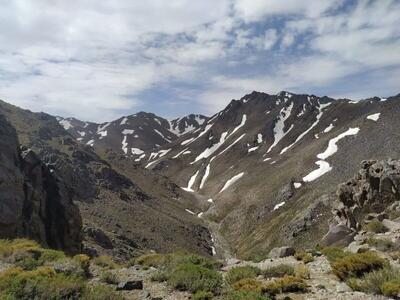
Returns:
(28,271)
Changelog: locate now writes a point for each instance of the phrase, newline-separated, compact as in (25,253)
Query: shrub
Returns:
(202,295)
(160,276)
(279,271)
(286,284)
(105,261)
(100,292)
(376,227)
(355,265)
(84,262)
(151,260)
(194,278)
(237,273)
(304,257)
(174,259)
(244,295)
(42,283)
(302,271)
(8,247)
(109,277)
(394,214)
(248,284)
(374,281)
(381,244)
(333,253)
(391,288)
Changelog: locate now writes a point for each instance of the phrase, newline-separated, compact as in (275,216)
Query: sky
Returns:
(98,60)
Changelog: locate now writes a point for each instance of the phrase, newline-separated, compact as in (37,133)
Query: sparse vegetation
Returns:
(385,281)
(194,278)
(202,295)
(105,261)
(248,284)
(279,271)
(334,253)
(109,277)
(301,271)
(381,244)
(243,295)
(376,227)
(285,284)
(304,257)
(356,265)
(238,273)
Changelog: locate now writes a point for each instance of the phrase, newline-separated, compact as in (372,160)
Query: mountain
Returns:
(125,209)
(132,135)
(269,165)
(34,202)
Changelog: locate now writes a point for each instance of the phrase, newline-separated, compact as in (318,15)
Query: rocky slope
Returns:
(125,210)
(34,201)
(131,135)
(267,166)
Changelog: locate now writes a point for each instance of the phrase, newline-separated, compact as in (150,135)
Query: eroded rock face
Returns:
(33,202)
(372,190)
(363,198)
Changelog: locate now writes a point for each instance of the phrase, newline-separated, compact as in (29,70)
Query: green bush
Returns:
(374,282)
(243,295)
(109,277)
(202,295)
(333,253)
(286,284)
(248,284)
(105,261)
(100,292)
(376,227)
(194,278)
(355,265)
(381,244)
(160,276)
(42,283)
(391,288)
(304,257)
(279,271)
(237,273)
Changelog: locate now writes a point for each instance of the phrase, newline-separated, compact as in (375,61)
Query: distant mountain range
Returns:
(260,173)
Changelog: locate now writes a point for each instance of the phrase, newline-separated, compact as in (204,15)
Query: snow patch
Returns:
(329,128)
(332,146)
(66,124)
(189,211)
(374,117)
(206,174)
(137,151)
(252,149)
(259,138)
(324,167)
(123,121)
(128,131)
(279,205)
(297,185)
(191,182)
(280,125)
(232,181)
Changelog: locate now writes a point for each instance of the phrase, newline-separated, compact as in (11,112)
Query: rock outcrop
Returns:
(365,197)
(34,202)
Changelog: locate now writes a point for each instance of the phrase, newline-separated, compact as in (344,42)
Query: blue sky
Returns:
(98,60)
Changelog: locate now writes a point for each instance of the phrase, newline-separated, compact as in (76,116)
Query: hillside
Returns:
(268,165)
(122,213)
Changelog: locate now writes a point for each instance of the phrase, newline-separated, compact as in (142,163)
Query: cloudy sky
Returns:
(97,60)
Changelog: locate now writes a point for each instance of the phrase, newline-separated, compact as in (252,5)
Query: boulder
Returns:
(391,225)
(281,252)
(338,235)
(130,285)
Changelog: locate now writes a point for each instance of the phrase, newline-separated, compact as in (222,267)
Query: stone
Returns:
(391,225)
(130,285)
(281,252)
(357,247)
(338,235)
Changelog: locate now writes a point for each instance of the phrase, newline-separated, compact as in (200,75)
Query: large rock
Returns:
(338,235)
(371,191)
(34,202)
(130,285)
(281,252)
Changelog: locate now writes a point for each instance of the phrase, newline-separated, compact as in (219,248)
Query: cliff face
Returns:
(33,202)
